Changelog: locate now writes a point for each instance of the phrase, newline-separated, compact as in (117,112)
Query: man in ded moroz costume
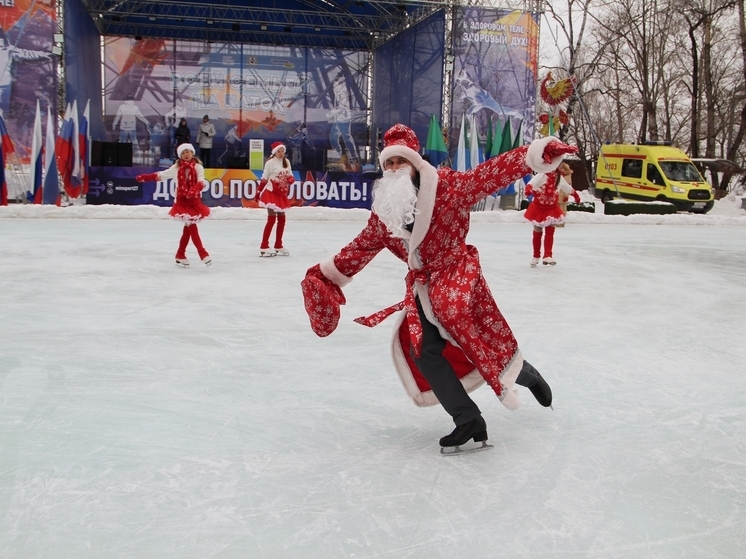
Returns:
(452,337)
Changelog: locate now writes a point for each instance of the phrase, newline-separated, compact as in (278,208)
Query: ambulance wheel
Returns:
(606,195)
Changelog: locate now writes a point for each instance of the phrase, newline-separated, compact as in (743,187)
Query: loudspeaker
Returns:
(237,163)
(124,155)
(109,154)
(96,149)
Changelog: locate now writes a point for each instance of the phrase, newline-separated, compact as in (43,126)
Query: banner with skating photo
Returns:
(230,188)
(495,72)
(27,67)
(311,99)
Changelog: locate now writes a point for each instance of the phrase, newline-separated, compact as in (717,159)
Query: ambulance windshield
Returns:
(680,171)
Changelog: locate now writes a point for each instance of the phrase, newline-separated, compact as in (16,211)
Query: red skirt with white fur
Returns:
(543,215)
(189,210)
(277,198)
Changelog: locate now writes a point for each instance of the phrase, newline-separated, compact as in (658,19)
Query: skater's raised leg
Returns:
(203,255)
(532,379)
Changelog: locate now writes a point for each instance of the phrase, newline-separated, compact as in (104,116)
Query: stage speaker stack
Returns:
(237,163)
(124,155)
(111,154)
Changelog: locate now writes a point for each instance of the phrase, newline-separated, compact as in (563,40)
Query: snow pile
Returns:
(726,212)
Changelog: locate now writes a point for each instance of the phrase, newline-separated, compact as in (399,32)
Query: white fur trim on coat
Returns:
(429,179)
(509,398)
(330,271)
(535,152)
(471,382)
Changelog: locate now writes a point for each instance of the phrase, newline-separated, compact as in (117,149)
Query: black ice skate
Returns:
(462,434)
(532,379)
(542,392)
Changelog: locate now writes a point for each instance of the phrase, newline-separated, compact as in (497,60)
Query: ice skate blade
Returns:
(454,450)
(267,254)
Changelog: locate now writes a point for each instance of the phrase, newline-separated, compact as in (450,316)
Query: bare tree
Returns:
(656,69)
(640,28)
(572,20)
(734,148)
(699,16)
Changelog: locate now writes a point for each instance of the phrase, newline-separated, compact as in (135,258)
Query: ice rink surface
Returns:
(148,411)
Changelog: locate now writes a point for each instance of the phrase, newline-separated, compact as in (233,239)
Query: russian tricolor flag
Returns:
(6,148)
(35,193)
(75,187)
(85,146)
(64,151)
(51,180)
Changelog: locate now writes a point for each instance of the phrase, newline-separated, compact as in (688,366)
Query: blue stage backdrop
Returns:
(408,78)
(82,51)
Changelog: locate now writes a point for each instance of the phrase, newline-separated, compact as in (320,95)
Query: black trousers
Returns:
(443,379)
(204,155)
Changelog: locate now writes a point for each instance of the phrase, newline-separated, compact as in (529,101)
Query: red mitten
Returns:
(576,196)
(147,177)
(289,179)
(322,299)
(556,149)
(529,190)
(260,186)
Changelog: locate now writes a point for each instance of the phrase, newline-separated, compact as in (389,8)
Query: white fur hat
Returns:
(401,140)
(182,147)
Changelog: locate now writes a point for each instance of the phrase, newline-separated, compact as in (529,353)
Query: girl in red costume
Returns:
(545,212)
(275,184)
(188,207)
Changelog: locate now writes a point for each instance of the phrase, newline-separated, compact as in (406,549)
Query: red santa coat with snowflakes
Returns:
(445,273)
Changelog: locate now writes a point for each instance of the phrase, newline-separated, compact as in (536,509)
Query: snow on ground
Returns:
(151,411)
(729,207)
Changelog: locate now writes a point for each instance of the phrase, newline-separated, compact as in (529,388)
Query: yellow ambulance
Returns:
(651,171)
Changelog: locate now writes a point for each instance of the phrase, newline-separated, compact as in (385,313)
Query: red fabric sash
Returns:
(420,276)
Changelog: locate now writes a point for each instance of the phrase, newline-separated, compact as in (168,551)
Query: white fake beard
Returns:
(394,199)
